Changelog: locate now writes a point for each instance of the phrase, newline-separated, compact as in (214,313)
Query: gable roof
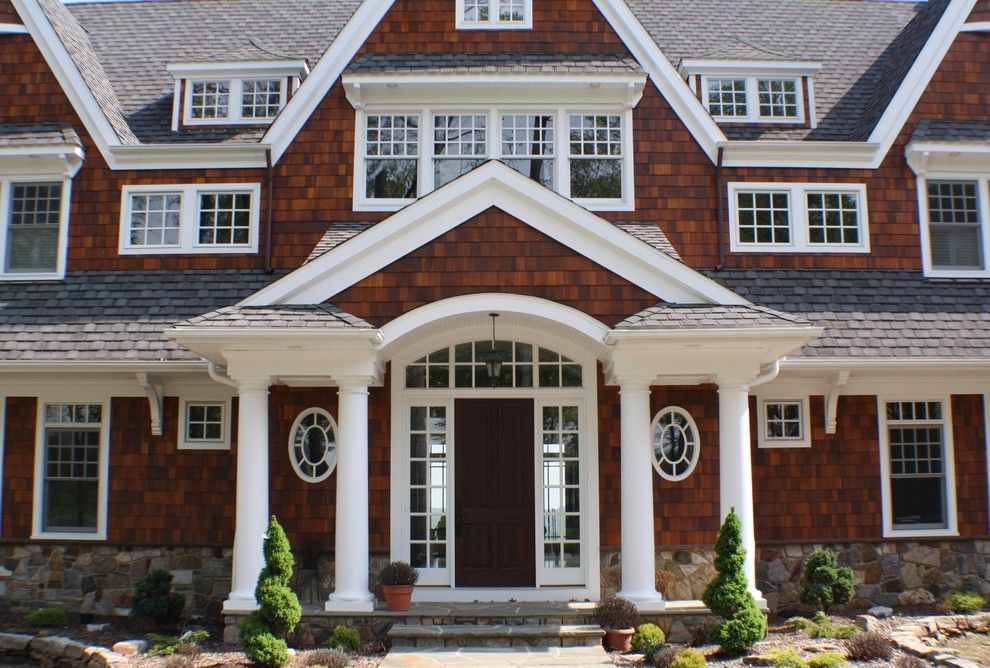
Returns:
(23,135)
(495,63)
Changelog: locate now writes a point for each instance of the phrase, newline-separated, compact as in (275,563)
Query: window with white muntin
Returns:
(784,423)
(401,158)
(204,424)
(204,218)
(233,101)
(494,14)
(754,99)
(917,468)
(956,227)
(34,216)
(800,218)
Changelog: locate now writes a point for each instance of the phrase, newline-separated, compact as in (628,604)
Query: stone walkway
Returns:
(579,657)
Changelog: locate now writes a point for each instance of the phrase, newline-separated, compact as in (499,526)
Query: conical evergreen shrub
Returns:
(728,595)
(278,608)
(825,583)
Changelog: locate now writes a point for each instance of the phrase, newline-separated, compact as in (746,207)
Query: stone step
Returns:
(495,635)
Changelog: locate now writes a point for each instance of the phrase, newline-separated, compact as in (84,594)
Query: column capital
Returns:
(628,383)
(253,383)
(352,384)
(733,383)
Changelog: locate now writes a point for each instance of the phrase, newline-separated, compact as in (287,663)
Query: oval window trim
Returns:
(299,454)
(692,445)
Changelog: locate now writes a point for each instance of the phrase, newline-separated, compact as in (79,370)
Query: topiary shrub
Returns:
(665,656)
(278,608)
(728,595)
(345,638)
(154,599)
(822,626)
(827,660)
(648,640)
(964,602)
(689,658)
(825,583)
(326,658)
(46,617)
(616,614)
(869,646)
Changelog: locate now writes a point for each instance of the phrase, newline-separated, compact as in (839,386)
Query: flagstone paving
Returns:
(499,658)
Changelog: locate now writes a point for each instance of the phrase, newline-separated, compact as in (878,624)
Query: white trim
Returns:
(753,98)
(13,29)
(189,219)
(239,70)
(103,486)
(763,441)
(215,397)
(811,154)
(798,217)
(188,156)
(976,26)
(765,69)
(951,514)
(6,184)
(493,184)
(292,433)
(983,195)
(493,22)
(697,443)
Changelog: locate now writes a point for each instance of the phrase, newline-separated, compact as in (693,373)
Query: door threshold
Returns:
(425,594)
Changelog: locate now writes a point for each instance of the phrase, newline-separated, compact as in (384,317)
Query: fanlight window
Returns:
(313,445)
(675,443)
(522,365)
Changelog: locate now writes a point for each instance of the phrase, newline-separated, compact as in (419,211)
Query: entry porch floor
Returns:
(480,611)
(500,658)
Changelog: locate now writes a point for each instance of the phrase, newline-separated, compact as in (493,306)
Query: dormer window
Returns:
(494,14)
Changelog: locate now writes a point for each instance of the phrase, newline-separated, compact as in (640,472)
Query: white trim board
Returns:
(493,185)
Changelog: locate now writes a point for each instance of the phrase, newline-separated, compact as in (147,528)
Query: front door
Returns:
(495,504)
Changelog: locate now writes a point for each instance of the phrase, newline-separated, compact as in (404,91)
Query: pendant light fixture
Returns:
(493,361)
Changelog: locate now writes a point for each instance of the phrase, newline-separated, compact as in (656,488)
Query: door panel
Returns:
(495,491)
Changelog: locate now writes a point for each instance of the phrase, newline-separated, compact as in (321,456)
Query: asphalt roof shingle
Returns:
(498,63)
(314,316)
(38,134)
(952,131)
(704,316)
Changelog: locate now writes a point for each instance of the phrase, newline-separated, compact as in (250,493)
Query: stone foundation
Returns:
(55,652)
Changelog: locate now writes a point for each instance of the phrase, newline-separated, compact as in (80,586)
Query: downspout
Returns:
(219,376)
(268,215)
(720,210)
(767,376)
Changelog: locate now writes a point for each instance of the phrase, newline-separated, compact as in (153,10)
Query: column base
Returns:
(240,603)
(645,601)
(350,603)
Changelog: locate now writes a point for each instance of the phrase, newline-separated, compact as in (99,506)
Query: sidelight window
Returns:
(428,449)
(561,487)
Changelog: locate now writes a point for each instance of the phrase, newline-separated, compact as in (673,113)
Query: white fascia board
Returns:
(808,332)
(919,76)
(238,69)
(748,67)
(63,367)
(810,154)
(976,26)
(493,184)
(13,29)
(932,156)
(886,363)
(43,159)
(189,156)
(277,336)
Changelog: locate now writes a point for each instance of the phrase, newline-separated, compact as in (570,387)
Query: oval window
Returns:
(313,445)
(675,443)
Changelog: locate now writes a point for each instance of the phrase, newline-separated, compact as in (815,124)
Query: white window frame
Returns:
(235,101)
(697,437)
(493,22)
(6,189)
(949,460)
(562,159)
(185,443)
(103,485)
(800,233)
(189,219)
(765,441)
(291,450)
(753,98)
(983,193)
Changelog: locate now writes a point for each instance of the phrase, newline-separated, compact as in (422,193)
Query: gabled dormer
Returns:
(236,93)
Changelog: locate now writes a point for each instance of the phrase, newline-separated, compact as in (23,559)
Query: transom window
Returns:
(587,161)
(313,445)
(494,14)
(428,447)
(791,217)
(675,443)
(957,225)
(190,219)
(561,487)
(72,442)
(753,99)
(230,101)
(522,365)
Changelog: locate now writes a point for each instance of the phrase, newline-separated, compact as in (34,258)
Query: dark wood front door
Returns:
(495,502)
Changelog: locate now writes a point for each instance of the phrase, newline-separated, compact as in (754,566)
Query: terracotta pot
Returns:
(620,640)
(397,597)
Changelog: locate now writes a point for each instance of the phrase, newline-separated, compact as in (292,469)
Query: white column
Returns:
(251,521)
(638,551)
(736,468)
(351,557)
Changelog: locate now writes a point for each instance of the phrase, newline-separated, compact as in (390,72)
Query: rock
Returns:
(881,611)
(131,647)
(868,622)
(230,634)
(757,660)
(14,642)
(73,650)
(778,572)
(818,648)
(183,577)
(916,597)
(924,555)
(96,628)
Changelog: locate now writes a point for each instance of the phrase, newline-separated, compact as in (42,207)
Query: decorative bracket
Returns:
(154,393)
(832,401)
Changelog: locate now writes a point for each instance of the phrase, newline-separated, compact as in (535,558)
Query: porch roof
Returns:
(314,316)
(702,316)
(38,134)
(498,63)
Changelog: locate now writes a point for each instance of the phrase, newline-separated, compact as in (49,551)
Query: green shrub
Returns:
(689,658)
(665,656)
(869,646)
(827,660)
(822,626)
(825,583)
(345,638)
(787,658)
(701,632)
(323,658)
(615,614)
(398,574)
(161,645)
(46,617)
(649,638)
(963,602)
(728,595)
(260,644)
(154,599)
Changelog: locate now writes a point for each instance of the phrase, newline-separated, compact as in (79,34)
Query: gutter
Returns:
(720,208)
(268,216)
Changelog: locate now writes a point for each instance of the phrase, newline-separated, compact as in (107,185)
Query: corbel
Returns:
(154,393)
(832,401)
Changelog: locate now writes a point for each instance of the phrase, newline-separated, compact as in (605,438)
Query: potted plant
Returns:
(397,580)
(618,618)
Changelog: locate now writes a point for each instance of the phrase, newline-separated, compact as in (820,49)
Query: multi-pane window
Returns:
(224,218)
(33,226)
(209,99)
(391,156)
(675,444)
(313,445)
(460,143)
(71,469)
(205,422)
(833,218)
(783,420)
(561,487)
(727,97)
(528,145)
(494,13)
(520,365)
(778,98)
(596,156)
(261,98)
(511,11)
(763,217)
(955,225)
(428,447)
(154,219)
(916,438)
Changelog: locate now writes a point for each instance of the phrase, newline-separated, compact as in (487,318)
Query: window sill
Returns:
(920,533)
(49,535)
(196,250)
(773,248)
(32,277)
(204,445)
(784,445)
(957,273)
(397,205)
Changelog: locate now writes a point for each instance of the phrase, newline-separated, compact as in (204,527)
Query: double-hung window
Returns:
(805,218)
(206,218)
(33,222)
(917,467)
(460,143)
(494,14)
(392,156)
(957,230)
(528,145)
(233,101)
(753,99)
(596,149)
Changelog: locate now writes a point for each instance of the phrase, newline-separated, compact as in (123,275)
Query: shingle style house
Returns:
(526,293)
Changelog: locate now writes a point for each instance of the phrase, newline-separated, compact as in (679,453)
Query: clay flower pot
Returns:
(619,640)
(398,597)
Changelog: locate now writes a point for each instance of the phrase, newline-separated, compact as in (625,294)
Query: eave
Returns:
(810,154)
(190,156)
